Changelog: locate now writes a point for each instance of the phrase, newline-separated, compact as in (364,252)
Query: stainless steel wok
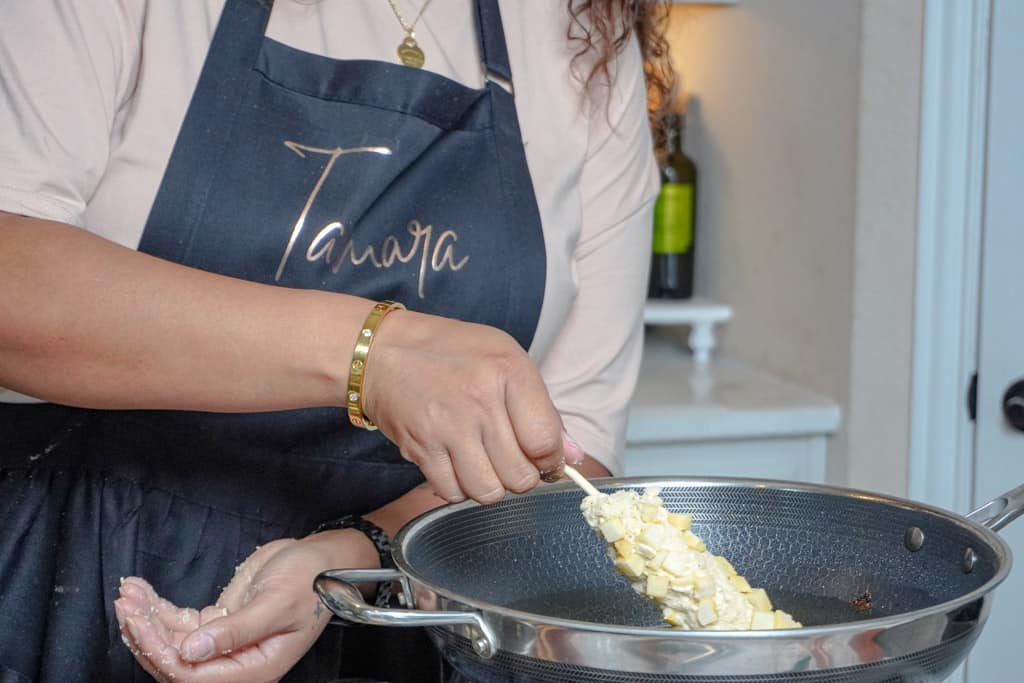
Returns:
(888,590)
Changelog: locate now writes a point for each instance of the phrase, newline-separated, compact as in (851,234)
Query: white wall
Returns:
(806,147)
(878,408)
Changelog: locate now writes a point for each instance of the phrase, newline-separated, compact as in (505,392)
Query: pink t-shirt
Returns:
(92,96)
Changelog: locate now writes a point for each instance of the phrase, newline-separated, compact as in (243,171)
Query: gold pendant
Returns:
(410,53)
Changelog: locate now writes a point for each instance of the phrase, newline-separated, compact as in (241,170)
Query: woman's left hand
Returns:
(264,621)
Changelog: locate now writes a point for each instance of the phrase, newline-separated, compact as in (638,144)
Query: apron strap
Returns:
(190,171)
(492,39)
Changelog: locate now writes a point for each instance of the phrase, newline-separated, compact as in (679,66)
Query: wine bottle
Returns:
(675,214)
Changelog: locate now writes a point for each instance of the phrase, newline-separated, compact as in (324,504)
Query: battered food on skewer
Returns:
(663,559)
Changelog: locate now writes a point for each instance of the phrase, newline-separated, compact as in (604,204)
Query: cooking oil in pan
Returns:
(616,604)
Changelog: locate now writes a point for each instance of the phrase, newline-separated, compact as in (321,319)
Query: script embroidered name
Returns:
(301,150)
(334,248)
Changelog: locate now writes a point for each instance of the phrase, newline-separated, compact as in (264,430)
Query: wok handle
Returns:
(337,591)
(1001,510)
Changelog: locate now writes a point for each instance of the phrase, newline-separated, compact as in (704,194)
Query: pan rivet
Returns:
(482,647)
(970,558)
(913,539)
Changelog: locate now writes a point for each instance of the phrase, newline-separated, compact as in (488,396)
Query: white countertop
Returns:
(679,400)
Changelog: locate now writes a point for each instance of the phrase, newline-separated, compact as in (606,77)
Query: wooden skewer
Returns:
(580,480)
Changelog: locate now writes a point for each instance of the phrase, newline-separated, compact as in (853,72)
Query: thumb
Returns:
(572,450)
(257,621)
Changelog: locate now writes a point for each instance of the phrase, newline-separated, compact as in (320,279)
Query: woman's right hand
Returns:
(116,328)
(466,404)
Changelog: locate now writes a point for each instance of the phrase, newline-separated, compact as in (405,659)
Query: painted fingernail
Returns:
(551,476)
(197,647)
(573,452)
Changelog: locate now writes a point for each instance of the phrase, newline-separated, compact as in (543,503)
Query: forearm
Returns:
(396,514)
(393,516)
(87,322)
(351,549)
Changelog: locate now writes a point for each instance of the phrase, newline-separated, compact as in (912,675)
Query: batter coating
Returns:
(665,561)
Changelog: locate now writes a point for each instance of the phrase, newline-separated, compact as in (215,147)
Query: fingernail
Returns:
(573,452)
(119,611)
(132,591)
(551,476)
(198,647)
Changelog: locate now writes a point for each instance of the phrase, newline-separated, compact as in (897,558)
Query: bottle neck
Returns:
(674,137)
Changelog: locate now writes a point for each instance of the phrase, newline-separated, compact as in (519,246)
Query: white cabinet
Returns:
(723,418)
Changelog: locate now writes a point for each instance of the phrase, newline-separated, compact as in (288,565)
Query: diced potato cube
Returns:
(646,551)
(693,542)
(705,586)
(624,547)
(740,583)
(654,492)
(673,617)
(681,522)
(632,566)
(649,513)
(784,620)
(685,584)
(762,621)
(653,535)
(675,564)
(759,599)
(612,530)
(658,560)
(725,565)
(706,612)
(657,586)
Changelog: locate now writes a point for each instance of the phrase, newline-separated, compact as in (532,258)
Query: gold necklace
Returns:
(409,51)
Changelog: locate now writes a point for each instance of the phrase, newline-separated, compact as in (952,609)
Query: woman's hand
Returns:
(264,621)
(462,401)
(466,404)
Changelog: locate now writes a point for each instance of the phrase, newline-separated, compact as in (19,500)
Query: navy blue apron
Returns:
(296,170)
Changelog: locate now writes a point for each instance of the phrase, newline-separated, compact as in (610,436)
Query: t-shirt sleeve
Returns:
(67,67)
(592,367)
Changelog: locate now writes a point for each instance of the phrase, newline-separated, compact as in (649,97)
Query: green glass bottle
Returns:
(675,215)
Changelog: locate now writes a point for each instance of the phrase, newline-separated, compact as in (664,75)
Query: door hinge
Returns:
(972,398)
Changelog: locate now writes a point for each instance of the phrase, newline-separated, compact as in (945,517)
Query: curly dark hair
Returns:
(602,28)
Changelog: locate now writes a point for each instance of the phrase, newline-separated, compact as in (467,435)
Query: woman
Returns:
(208,209)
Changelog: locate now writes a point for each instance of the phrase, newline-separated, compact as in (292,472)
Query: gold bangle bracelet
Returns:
(357,368)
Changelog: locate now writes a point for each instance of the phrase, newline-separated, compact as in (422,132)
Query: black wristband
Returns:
(380,541)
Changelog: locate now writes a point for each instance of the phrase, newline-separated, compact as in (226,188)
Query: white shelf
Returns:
(685,311)
(701,315)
